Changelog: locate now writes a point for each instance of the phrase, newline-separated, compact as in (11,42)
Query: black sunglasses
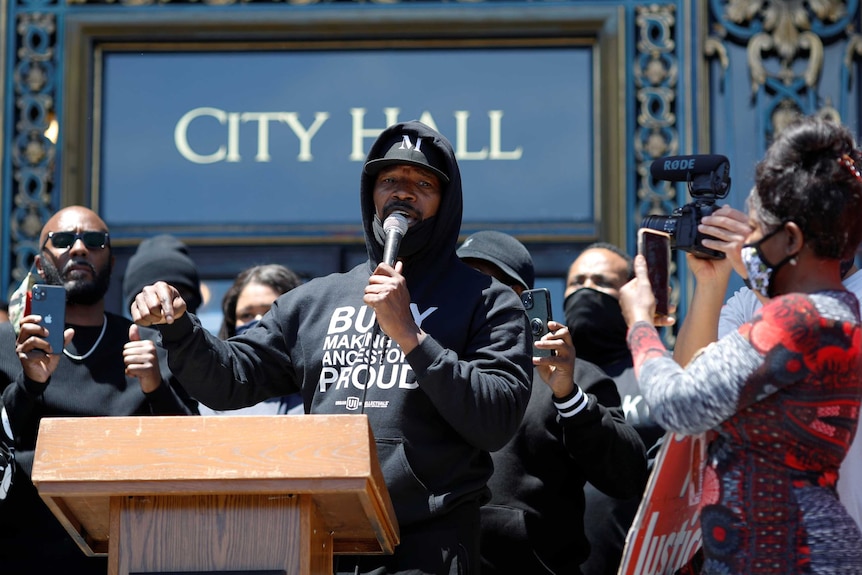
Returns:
(64,240)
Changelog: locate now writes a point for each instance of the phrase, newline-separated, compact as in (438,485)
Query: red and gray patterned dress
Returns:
(779,399)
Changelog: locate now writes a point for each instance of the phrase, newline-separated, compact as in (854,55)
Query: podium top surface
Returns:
(151,455)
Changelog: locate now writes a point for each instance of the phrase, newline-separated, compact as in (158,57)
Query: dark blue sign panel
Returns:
(279,138)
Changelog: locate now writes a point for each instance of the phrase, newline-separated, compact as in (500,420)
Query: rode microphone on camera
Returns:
(683,168)
(707,175)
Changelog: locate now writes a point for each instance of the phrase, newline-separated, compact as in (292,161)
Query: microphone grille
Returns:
(396,221)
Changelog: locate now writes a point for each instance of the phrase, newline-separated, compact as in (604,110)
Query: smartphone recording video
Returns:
(654,245)
(537,303)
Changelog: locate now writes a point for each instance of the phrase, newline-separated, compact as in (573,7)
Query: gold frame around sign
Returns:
(283,28)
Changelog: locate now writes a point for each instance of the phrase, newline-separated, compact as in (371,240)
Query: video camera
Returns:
(708,178)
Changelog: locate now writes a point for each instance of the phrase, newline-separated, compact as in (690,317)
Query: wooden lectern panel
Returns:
(101,474)
(242,533)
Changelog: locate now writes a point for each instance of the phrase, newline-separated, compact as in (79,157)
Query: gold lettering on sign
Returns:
(360,132)
(228,150)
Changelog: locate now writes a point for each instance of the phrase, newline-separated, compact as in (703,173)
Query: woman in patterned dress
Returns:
(779,398)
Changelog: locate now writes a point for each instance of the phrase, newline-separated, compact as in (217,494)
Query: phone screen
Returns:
(655,247)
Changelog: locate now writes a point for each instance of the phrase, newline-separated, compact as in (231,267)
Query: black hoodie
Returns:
(436,412)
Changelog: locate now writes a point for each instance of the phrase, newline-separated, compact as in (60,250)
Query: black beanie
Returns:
(162,258)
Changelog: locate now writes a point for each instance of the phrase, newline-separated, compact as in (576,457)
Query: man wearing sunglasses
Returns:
(104,368)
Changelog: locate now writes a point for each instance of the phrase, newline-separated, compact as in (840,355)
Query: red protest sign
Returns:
(666,530)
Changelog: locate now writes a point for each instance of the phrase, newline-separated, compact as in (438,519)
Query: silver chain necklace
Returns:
(95,345)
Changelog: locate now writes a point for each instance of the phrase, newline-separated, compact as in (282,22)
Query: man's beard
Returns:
(78,291)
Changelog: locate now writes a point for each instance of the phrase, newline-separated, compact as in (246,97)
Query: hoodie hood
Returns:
(442,239)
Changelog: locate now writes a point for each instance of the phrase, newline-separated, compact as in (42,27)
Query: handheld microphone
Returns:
(684,168)
(395,226)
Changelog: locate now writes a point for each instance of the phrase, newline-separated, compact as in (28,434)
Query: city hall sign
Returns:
(227,145)
(277,138)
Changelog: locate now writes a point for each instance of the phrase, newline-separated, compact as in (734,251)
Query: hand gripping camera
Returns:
(708,179)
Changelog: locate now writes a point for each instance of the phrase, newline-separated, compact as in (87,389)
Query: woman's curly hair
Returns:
(811,175)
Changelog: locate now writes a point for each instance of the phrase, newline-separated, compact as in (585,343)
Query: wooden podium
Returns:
(217,494)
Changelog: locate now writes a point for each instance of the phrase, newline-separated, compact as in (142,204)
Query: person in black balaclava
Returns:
(595,320)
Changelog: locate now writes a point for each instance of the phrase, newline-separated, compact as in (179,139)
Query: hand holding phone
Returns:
(654,245)
(537,303)
(49,301)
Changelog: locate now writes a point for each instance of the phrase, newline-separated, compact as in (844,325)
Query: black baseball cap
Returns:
(407,151)
(502,250)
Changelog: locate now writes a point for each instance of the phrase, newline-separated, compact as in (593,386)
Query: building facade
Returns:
(240,127)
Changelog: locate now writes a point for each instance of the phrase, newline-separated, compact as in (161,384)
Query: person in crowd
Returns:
(779,397)
(598,331)
(105,368)
(4,311)
(163,258)
(243,306)
(573,431)
(436,354)
(251,295)
(711,318)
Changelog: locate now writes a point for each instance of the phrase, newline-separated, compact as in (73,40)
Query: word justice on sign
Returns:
(228,149)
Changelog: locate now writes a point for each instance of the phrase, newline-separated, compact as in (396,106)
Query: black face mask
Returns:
(598,328)
(416,238)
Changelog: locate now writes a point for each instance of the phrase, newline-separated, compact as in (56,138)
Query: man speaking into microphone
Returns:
(435,353)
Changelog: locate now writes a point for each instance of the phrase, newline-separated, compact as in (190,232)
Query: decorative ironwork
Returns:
(32,150)
(656,77)
(784,42)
